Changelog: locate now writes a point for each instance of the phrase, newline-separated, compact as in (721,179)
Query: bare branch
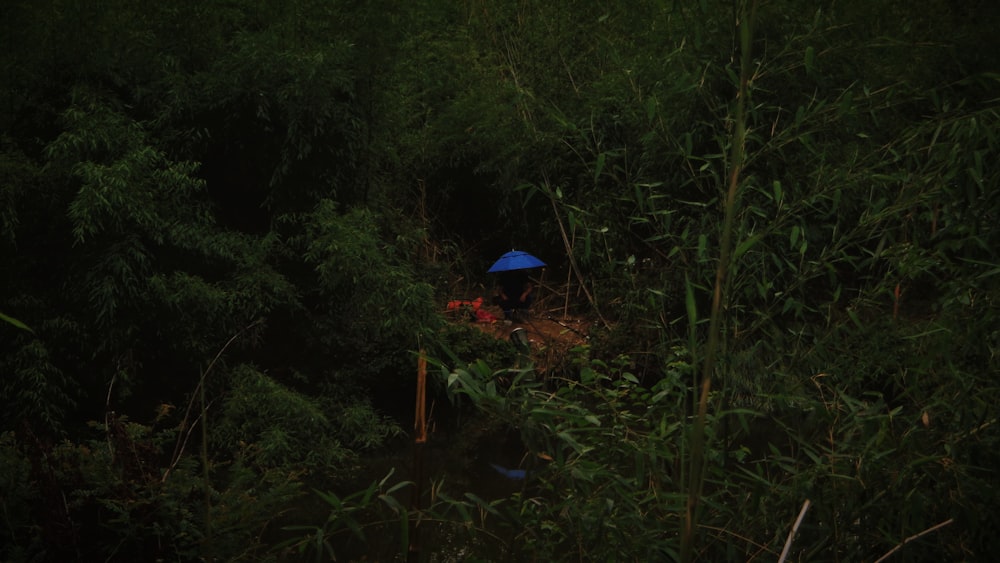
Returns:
(913,537)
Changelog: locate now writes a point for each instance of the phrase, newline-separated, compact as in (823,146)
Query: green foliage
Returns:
(611,449)
(268,425)
(16,501)
(877,466)
(887,454)
(37,393)
(462,344)
(108,498)
(132,202)
(375,509)
(197,168)
(17,176)
(366,283)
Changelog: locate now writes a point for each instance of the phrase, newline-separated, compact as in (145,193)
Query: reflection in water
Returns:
(486,461)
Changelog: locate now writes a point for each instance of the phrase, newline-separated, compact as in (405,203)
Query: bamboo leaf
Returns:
(599,165)
(483,504)
(746,245)
(15,322)
(393,503)
(689,303)
(398,486)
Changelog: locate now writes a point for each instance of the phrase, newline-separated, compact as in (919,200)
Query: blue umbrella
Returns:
(515,260)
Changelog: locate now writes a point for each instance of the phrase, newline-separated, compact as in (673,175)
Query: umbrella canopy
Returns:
(515,260)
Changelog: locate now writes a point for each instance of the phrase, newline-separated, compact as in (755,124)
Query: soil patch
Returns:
(551,335)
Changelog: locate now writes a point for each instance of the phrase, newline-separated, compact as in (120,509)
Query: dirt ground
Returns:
(550,334)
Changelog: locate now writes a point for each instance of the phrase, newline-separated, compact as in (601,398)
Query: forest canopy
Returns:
(229,231)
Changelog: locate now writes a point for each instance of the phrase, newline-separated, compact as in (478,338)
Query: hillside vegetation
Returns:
(229,231)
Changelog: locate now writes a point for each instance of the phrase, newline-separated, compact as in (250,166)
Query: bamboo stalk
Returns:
(183,436)
(696,475)
(419,439)
(420,416)
(794,530)
(569,254)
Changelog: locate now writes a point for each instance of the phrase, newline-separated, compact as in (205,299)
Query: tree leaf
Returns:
(15,322)
(599,165)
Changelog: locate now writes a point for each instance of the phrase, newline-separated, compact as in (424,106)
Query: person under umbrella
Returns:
(515,292)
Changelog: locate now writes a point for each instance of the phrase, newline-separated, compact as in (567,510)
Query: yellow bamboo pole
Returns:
(419,439)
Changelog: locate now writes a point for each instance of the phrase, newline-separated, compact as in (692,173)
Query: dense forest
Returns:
(229,230)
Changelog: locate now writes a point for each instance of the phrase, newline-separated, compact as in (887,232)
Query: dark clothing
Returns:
(515,292)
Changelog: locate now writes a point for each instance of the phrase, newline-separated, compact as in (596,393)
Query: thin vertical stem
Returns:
(207,485)
(420,438)
(569,253)
(696,475)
